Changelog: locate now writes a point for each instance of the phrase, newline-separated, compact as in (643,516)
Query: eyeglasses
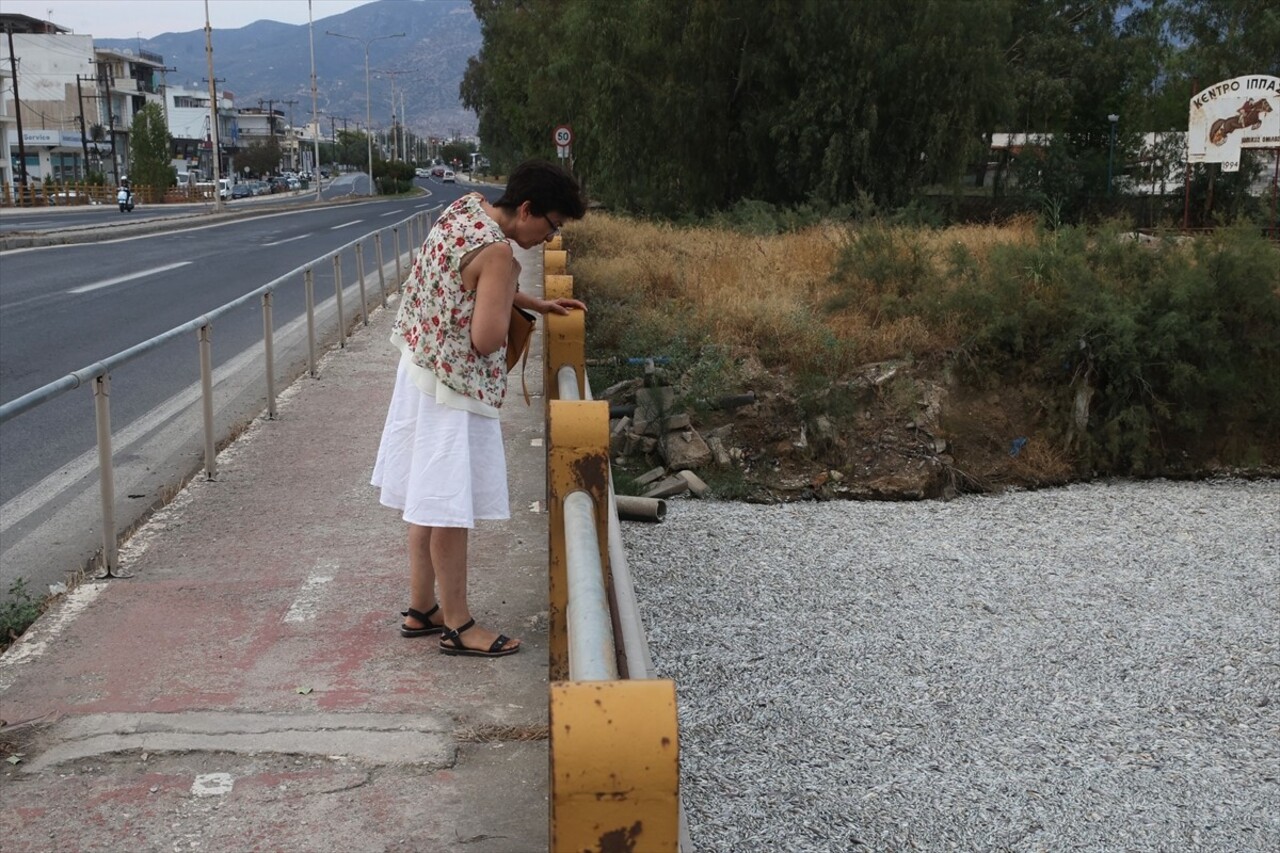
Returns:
(555,229)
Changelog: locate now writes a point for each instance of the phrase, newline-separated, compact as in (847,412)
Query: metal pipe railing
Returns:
(635,646)
(592,656)
(99,373)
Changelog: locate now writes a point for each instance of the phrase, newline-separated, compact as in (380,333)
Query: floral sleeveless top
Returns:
(434,320)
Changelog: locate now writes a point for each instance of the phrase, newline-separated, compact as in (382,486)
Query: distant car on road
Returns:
(422,172)
(437,171)
(448,176)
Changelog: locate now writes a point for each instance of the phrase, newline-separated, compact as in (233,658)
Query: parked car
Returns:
(241,191)
(448,176)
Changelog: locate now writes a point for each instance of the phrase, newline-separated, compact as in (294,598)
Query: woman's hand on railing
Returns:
(560,305)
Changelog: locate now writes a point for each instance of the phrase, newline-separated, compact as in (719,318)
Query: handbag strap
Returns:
(524,361)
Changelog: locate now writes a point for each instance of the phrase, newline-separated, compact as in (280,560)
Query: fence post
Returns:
(565,337)
(364,300)
(382,276)
(106,476)
(337,283)
(395,232)
(309,286)
(205,335)
(268,332)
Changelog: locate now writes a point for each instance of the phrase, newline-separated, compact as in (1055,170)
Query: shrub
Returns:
(17,614)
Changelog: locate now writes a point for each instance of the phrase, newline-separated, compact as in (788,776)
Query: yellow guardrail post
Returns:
(577,459)
(554,261)
(615,768)
(566,339)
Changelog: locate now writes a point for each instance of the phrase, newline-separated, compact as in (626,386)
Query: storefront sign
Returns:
(41,137)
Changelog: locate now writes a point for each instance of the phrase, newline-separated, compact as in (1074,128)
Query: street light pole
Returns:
(368,104)
(315,115)
(213,112)
(1111,150)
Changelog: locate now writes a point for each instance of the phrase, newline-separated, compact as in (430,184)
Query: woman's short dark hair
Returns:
(546,187)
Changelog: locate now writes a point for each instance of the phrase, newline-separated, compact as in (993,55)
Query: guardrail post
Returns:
(382,276)
(554,261)
(268,333)
(337,283)
(577,460)
(364,300)
(565,338)
(205,335)
(106,473)
(615,766)
(395,232)
(308,282)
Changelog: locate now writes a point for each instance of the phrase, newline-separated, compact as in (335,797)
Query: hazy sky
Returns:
(119,19)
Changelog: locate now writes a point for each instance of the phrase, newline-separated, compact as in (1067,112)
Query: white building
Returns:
(75,102)
(127,82)
(50,63)
(188,112)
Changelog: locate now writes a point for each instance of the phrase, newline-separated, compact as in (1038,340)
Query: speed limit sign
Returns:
(562,136)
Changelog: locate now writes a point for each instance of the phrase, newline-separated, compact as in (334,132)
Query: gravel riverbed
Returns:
(1087,668)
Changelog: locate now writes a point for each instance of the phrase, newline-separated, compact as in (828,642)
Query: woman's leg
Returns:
(449,559)
(422,575)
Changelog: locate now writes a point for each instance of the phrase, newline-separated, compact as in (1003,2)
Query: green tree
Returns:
(261,158)
(149,149)
(693,105)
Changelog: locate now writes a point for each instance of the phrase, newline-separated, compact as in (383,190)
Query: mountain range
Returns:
(271,61)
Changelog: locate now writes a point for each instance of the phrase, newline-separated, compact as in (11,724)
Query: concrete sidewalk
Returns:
(247,689)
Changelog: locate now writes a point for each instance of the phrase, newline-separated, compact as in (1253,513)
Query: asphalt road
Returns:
(63,308)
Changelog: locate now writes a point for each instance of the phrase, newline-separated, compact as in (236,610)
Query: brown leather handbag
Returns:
(519,334)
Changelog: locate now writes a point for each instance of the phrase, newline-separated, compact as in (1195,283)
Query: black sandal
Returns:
(424,618)
(451,644)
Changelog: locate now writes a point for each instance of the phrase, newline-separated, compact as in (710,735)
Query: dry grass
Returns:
(782,297)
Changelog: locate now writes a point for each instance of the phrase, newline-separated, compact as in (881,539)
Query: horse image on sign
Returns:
(1248,116)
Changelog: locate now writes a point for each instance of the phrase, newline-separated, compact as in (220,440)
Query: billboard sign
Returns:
(1243,112)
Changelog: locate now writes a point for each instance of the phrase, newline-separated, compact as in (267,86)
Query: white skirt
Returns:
(440,466)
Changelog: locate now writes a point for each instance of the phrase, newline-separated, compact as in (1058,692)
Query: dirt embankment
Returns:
(896,431)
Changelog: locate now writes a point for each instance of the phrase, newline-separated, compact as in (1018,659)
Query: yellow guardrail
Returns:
(614,740)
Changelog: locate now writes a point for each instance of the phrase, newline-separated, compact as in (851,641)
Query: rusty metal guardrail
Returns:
(614,740)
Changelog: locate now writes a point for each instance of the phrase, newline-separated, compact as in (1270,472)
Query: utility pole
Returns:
(105,78)
(17,108)
(292,130)
(315,113)
(397,146)
(213,112)
(84,142)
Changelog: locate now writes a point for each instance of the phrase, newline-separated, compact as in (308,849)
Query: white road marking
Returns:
(121,279)
(305,605)
(289,240)
(390,213)
(212,785)
(345,224)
